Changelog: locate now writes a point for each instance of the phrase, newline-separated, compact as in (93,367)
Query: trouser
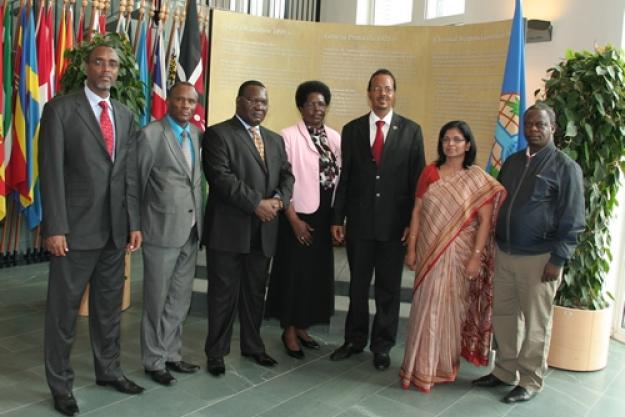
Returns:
(386,259)
(103,270)
(522,314)
(167,288)
(236,282)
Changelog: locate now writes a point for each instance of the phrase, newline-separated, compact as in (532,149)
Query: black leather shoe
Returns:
(310,343)
(122,384)
(381,360)
(297,354)
(162,376)
(519,394)
(348,349)
(65,404)
(488,381)
(215,366)
(182,367)
(261,358)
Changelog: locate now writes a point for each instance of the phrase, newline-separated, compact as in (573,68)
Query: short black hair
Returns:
(247,84)
(180,84)
(307,87)
(382,71)
(100,42)
(463,127)
(541,105)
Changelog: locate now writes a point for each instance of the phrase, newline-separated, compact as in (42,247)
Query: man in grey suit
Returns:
(87,163)
(171,218)
(250,180)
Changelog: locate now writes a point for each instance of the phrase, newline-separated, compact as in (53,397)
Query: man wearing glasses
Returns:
(87,161)
(250,181)
(382,159)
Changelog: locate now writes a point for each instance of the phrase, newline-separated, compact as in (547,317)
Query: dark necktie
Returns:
(378,143)
(106,127)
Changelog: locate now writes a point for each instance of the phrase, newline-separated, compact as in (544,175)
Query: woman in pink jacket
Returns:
(301,288)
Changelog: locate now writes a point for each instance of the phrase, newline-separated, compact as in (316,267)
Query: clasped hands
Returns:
(267,209)
(57,244)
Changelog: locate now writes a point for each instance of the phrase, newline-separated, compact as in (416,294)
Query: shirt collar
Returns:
(246,125)
(176,128)
(387,119)
(95,99)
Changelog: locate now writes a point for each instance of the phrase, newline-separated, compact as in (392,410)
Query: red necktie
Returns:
(378,143)
(106,127)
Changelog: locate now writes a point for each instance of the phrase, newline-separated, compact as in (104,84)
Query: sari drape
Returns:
(450,314)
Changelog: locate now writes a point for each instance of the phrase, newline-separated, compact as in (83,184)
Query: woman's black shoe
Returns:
(310,343)
(297,354)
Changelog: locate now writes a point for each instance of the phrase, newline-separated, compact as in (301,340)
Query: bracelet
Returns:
(478,251)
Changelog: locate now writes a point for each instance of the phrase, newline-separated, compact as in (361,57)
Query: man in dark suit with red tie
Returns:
(88,174)
(382,160)
(250,180)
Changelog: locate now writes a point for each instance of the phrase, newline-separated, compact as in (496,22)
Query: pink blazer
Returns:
(304,159)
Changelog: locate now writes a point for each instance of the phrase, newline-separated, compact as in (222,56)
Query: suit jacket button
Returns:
(377,194)
(190,211)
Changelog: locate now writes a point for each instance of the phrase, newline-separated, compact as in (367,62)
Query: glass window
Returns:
(442,8)
(392,12)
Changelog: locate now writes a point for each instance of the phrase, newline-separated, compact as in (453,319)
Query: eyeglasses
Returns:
(455,139)
(316,104)
(387,89)
(99,62)
(260,102)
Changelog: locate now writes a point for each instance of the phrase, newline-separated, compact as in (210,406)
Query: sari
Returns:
(450,315)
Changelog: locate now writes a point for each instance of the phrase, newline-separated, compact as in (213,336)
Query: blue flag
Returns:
(509,137)
(144,76)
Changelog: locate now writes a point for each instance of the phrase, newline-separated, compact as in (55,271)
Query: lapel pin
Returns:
(394,127)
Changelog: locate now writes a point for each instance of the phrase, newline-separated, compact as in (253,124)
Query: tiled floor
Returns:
(312,387)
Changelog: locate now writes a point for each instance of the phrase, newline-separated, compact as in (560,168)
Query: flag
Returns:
(5,99)
(142,62)
(190,64)
(45,55)
(24,172)
(509,137)
(81,26)
(69,33)
(60,52)
(159,78)
(173,52)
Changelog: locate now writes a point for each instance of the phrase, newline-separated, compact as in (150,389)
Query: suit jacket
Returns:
(304,159)
(377,203)
(86,196)
(171,194)
(238,179)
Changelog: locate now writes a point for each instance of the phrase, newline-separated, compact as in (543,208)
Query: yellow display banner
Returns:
(443,73)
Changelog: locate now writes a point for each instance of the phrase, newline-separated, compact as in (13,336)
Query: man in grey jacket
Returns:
(536,234)
(171,216)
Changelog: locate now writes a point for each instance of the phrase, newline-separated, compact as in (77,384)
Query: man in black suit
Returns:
(382,160)
(249,180)
(87,163)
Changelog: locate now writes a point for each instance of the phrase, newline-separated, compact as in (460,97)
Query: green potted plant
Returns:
(127,89)
(587,92)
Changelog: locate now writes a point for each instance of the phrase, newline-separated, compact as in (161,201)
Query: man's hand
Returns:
(338,233)
(551,272)
(56,245)
(267,209)
(134,242)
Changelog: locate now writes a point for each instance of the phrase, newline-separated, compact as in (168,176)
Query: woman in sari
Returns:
(450,248)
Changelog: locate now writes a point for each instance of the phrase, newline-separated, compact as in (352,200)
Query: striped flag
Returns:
(509,137)
(190,64)
(45,55)
(60,52)
(81,25)
(23,167)
(159,78)
(5,100)
(142,62)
